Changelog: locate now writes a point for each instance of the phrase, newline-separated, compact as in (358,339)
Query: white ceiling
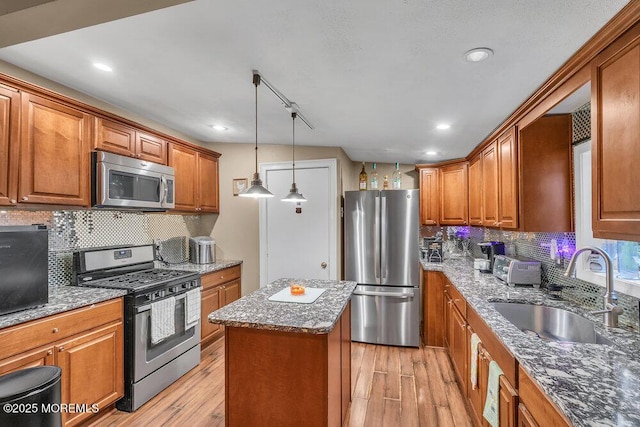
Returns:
(374,77)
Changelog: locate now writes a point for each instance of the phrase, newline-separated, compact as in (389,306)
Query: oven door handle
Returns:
(147,307)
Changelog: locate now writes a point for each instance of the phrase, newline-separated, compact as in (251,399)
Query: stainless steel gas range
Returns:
(158,300)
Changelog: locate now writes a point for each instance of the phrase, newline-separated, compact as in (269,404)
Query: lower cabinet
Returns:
(535,408)
(456,331)
(433,304)
(86,343)
(218,289)
(301,379)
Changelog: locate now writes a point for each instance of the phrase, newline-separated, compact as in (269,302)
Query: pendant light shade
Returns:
(294,195)
(256,190)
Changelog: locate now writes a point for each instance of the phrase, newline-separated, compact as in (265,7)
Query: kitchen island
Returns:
(288,363)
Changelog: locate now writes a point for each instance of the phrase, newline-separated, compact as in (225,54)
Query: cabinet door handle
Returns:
(61,349)
(13,201)
(449,302)
(25,198)
(55,330)
(49,353)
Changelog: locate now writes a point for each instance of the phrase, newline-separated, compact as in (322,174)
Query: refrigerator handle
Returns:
(376,239)
(383,238)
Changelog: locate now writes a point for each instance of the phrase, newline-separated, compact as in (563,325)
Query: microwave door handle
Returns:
(164,190)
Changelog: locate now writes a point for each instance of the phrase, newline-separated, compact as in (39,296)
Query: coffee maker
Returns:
(490,250)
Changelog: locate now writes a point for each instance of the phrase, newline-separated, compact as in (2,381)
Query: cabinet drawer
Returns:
(36,333)
(456,297)
(216,278)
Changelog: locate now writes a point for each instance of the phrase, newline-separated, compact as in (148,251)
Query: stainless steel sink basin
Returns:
(550,323)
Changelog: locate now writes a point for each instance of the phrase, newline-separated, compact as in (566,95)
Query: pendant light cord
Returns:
(293,145)
(256,127)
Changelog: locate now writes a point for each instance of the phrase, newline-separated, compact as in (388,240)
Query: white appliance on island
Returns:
(381,231)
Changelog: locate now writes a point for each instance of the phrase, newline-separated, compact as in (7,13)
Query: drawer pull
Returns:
(61,349)
(56,330)
(49,353)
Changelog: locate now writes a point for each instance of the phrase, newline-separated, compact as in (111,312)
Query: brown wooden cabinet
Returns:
(433,304)
(196,179)
(429,196)
(86,343)
(535,405)
(92,369)
(525,419)
(615,116)
(275,399)
(218,289)
(121,139)
(545,192)
(507,180)
(490,185)
(9,121)
(454,194)
(475,191)
(456,331)
(54,153)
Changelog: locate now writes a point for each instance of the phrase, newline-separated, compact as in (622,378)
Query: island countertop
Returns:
(256,311)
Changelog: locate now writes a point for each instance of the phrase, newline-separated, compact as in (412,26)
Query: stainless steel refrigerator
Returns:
(382,255)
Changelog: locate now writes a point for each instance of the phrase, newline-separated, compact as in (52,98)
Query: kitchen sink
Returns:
(550,323)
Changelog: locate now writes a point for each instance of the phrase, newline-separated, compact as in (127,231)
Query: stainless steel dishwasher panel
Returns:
(387,315)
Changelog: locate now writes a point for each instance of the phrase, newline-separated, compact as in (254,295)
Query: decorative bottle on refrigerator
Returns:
(396,178)
(363,179)
(374,177)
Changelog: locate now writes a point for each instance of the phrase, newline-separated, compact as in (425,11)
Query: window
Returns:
(589,267)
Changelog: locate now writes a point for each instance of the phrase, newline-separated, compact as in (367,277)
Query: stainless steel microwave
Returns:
(128,183)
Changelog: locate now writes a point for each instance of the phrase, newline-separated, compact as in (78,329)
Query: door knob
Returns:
(323,265)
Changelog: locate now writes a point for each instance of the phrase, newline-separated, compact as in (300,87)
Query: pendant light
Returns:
(293,195)
(256,190)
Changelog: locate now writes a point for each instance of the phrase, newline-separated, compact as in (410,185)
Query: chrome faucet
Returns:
(611,310)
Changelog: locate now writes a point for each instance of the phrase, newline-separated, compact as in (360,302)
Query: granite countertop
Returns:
(256,311)
(592,384)
(61,299)
(201,268)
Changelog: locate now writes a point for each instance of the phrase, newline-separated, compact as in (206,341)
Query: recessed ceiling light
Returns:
(443,126)
(219,127)
(103,67)
(431,153)
(478,54)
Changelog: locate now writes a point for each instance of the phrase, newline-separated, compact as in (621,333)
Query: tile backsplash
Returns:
(73,230)
(536,246)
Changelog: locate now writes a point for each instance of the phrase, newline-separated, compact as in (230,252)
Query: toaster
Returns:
(517,270)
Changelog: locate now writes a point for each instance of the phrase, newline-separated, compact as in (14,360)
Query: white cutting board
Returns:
(309,296)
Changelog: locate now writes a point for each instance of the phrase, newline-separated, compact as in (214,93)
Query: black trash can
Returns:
(31,397)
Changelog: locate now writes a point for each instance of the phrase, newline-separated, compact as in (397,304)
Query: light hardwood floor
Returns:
(392,386)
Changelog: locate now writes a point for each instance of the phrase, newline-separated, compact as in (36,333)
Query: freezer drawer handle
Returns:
(385,294)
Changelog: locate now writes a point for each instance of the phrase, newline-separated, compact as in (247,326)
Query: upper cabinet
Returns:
(507,180)
(125,140)
(615,122)
(454,194)
(55,144)
(9,120)
(544,155)
(429,196)
(490,185)
(196,175)
(475,190)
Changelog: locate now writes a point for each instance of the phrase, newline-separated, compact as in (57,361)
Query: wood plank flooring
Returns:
(391,386)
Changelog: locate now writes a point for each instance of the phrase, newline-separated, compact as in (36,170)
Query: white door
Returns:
(299,244)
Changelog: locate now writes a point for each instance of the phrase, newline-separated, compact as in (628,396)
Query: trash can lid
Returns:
(15,385)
